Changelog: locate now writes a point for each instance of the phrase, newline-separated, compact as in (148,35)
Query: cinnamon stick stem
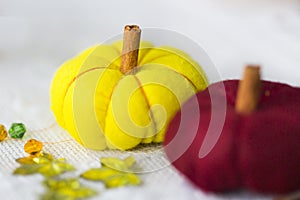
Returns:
(249,91)
(130,51)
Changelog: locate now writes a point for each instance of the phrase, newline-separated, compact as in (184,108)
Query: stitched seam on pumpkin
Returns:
(117,50)
(148,105)
(142,58)
(153,59)
(110,98)
(174,70)
(170,52)
(105,59)
(73,80)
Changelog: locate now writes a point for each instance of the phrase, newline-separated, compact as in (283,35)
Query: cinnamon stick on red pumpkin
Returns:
(249,91)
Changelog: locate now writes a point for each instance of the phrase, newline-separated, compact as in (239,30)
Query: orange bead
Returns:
(3,133)
(33,146)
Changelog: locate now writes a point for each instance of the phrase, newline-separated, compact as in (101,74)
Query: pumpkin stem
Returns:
(249,91)
(131,43)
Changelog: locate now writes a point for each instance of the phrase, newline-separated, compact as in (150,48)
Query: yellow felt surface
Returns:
(179,61)
(105,87)
(100,107)
(61,83)
(83,119)
(165,95)
(122,130)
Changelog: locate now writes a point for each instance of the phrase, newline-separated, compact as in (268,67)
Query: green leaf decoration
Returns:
(114,173)
(66,189)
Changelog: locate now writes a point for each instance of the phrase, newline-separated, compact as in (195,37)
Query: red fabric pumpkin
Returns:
(259,151)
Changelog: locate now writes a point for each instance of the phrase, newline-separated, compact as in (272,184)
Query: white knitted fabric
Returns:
(26,103)
(37,36)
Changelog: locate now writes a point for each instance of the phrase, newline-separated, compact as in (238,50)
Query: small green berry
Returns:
(17,130)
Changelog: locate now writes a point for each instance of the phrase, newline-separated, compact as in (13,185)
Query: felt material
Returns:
(258,152)
(101,107)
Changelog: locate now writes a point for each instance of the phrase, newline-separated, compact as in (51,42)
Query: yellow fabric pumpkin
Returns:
(102,107)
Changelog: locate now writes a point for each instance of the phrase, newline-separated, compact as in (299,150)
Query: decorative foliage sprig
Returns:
(114,172)
(57,188)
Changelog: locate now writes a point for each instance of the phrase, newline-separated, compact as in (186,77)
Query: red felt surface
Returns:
(258,152)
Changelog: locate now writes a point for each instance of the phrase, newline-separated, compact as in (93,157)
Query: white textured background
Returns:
(37,36)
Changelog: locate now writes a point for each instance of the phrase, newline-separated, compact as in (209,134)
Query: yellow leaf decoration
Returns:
(114,173)
(27,169)
(57,188)
(55,167)
(26,160)
(29,159)
(43,164)
(66,189)
(118,164)
(122,179)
